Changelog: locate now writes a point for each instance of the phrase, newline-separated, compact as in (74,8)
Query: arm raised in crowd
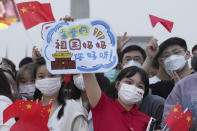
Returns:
(122,41)
(93,90)
(152,49)
(35,53)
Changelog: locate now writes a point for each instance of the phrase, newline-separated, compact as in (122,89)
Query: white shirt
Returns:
(90,121)
(154,80)
(4,103)
(73,119)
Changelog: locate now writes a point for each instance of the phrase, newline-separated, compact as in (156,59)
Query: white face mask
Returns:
(79,83)
(48,86)
(130,94)
(174,63)
(132,63)
(27,91)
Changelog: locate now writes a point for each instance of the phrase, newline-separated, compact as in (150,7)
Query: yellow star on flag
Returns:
(188,118)
(24,9)
(28,106)
(49,110)
(175,110)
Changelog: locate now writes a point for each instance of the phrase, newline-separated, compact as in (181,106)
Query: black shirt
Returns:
(162,88)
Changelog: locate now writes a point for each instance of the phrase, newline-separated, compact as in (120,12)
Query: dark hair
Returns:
(38,95)
(27,67)
(25,61)
(75,93)
(133,48)
(194,48)
(169,42)
(4,86)
(72,91)
(9,67)
(131,71)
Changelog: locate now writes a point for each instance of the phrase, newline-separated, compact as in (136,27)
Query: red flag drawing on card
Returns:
(33,13)
(166,23)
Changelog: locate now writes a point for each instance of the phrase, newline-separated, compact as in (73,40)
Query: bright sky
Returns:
(122,15)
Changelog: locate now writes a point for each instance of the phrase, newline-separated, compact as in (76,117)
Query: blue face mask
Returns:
(112,74)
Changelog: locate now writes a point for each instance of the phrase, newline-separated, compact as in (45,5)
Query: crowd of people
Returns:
(136,95)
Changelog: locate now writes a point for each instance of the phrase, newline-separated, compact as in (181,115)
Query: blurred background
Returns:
(130,16)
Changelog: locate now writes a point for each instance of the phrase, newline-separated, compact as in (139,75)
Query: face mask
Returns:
(112,74)
(48,86)
(27,91)
(79,83)
(174,63)
(132,63)
(130,94)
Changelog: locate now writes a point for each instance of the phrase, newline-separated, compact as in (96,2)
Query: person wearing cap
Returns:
(172,59)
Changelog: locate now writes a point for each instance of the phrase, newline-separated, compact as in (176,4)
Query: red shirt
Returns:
(109,115)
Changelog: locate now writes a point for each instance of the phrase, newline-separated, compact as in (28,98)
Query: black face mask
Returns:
(194,63)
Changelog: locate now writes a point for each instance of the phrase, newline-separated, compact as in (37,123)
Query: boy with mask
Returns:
(173,64)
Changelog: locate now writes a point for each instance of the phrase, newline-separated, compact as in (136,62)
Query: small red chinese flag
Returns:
(33,13)
(175,115)
(188,117)
(166,23)
(32,116)
(36,120)
(17,109)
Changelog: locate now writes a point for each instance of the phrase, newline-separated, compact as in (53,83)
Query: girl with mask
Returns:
(77,91)
(65,114)
(26,82)
(6,99)
(122,114)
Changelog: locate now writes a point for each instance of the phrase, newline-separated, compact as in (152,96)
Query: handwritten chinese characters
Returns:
(79,47)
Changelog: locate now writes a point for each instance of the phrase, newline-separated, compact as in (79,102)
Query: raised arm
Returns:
(151,50)
(93,90)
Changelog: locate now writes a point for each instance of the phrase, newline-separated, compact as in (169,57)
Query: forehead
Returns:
(172,47)
(26,75)
(133,53)
(137,78)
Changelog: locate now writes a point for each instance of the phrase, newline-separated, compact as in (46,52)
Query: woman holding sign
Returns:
(120,115)
(65,114)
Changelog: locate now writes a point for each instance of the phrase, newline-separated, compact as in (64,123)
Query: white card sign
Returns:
(82,46)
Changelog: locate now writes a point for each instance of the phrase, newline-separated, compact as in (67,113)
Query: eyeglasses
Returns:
(173,52)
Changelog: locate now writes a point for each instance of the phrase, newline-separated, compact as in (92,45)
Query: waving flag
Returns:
(178,120)
(188,117)
(8,13)
(166,23)
(32,116)
(33,13)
